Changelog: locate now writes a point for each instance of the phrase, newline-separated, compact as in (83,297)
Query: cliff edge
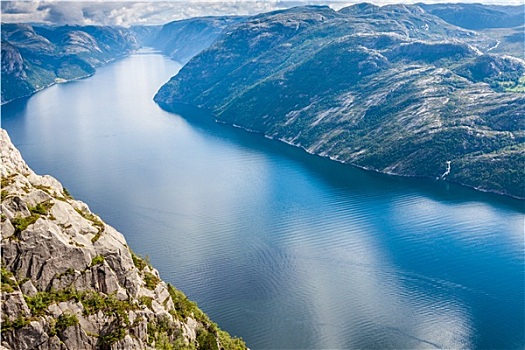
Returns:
(69,281)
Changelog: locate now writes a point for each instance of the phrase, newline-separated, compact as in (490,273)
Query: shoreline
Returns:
(65,81)
(185,106)
(367,168)
(55,82)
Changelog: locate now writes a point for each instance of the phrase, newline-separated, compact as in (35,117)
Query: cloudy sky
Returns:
(127,13)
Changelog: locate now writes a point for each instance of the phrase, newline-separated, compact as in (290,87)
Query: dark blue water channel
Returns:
(287,250)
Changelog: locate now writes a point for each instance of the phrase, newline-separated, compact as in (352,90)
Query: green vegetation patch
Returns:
(39,303)
(184,307)
(139,262)
(144,300)
(112,334)
(20,223)
(97,260)
(41,208)
(8,282)
(96,237)
(6,181)
(66,320)
(208,334)
(69,272)
(66,193)
(19,322)
(151,280)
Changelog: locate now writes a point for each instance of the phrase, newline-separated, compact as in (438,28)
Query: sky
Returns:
(126,13)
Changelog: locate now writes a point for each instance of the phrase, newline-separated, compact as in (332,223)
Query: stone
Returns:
(14,306)
(58,252)
(28,288)
(7,229)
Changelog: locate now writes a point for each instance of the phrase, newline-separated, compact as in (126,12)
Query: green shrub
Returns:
(206,340)
(8,283)
(66,193)
(41,300)
(115,332)
(65,320)
(151,280)
(93,302)
(95,237)
(19,322)
(144,300)
(161,331)
(138,261)
(183,306)
(41,208)
(229,343)
(21,224)
(97,260)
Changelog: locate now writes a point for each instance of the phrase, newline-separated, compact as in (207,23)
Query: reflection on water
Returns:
(280,247)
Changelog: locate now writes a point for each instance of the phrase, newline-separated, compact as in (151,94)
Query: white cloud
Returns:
(114,12)
(126,13)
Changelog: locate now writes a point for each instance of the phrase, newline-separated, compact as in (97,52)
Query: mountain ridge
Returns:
(34,58)
(391,89)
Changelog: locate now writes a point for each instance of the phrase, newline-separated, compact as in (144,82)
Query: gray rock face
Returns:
(69,281)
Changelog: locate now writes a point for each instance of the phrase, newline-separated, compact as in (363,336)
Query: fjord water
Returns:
(287,250)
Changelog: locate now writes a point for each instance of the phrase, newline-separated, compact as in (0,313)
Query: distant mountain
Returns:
(392,89)
(145,34)
(478,16)
(181,40)
(36,57)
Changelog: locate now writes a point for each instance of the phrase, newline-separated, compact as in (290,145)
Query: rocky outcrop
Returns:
(69,281)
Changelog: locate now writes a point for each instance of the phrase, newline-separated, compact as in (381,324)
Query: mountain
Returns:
(392,89)
(181,40)
(504,24)
(70,281)
(145,34)
(478,16)
(36,57)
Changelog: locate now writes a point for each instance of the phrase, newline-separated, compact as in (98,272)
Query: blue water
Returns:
(287,250)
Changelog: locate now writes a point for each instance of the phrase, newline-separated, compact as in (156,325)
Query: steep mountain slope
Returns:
(69,281)
(36,57)
(392,89)
(181,40)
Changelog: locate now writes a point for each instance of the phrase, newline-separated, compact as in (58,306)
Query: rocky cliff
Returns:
(69,281)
